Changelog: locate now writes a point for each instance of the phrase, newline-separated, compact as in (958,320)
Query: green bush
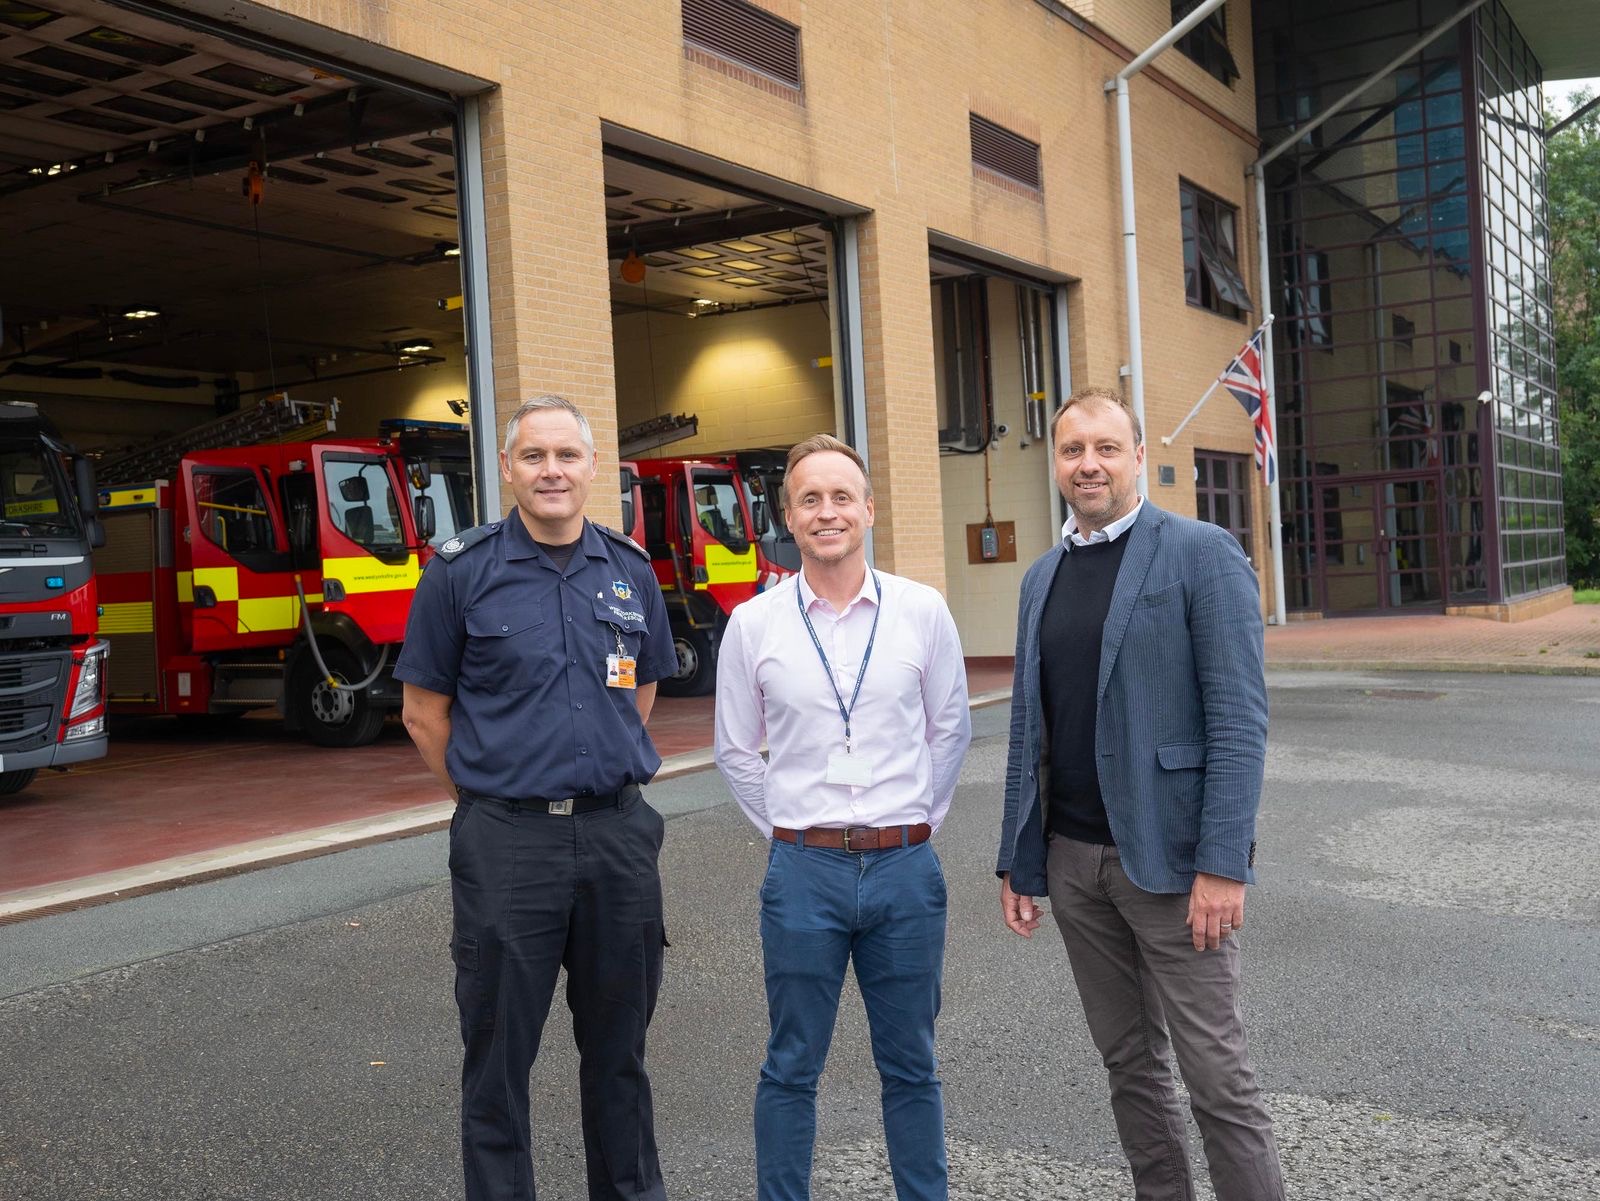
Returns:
(1573,161)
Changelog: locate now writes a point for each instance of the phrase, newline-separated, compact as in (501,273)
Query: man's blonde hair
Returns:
(816,444)
(1096,395)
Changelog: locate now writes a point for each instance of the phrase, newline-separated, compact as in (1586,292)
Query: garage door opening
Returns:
(213,251)
(726,319)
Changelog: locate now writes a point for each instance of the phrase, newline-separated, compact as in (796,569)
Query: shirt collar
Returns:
(868,591)
(1111,533)
(520,543)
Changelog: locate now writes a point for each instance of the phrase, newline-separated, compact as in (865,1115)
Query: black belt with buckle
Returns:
(559,807)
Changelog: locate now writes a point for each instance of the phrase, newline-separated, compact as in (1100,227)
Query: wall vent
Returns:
(995,148)
(746,35)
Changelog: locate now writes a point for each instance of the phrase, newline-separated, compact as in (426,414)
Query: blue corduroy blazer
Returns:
(1181,711)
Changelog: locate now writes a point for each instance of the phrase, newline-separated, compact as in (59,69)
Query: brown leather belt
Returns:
(856,838)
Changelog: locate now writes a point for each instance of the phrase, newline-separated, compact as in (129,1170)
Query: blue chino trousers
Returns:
(819,910)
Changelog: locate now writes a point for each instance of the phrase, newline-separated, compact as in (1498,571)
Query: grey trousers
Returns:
(1147,992)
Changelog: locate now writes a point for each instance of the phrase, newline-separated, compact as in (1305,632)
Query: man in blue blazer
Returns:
(1138,741)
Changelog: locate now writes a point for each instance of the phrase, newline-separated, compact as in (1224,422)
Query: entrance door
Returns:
(1381,544)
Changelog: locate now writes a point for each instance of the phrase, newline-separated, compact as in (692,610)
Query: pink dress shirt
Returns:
(911,721)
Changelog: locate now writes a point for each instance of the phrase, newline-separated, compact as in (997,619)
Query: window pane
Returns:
(361,502)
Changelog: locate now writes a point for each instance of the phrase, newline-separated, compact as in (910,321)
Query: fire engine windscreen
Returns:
(362,503)
(765,492)
(35,500)
(717,508)
(449,485)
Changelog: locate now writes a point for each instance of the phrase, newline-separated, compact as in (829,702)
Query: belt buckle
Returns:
(561,808)
(848,830)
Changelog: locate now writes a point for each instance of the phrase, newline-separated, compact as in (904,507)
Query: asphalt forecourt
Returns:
(1420,968)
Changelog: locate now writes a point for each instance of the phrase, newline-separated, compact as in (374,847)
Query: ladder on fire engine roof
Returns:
(276,419)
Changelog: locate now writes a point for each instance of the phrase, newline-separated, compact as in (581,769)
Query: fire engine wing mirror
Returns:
(629,480)
(421,476)
(427,522)
(96,530)
(353,488)
(758,517)
(88,495)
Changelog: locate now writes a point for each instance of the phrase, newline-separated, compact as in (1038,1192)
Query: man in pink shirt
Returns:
(855,680)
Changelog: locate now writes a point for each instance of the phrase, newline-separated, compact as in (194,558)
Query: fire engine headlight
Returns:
(91,692)
(92,728)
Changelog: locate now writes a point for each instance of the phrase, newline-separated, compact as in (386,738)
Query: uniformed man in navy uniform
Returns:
(529,667)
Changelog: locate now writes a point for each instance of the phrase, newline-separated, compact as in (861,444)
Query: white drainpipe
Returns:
(1130,251)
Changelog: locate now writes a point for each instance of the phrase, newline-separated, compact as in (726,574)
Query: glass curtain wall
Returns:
(1522,372)
(1377,346)
(1399,305)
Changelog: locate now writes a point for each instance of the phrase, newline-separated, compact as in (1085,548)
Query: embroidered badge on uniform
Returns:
(452,546)
(623,589)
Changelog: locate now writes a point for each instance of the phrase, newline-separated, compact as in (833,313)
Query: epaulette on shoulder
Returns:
(466,540)
(621,539)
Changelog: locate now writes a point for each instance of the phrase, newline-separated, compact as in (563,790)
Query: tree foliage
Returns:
(1573,181)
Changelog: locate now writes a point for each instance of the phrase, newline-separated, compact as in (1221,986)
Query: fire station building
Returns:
(723,225)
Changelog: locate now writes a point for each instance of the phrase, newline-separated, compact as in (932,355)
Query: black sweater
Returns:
(1069,675)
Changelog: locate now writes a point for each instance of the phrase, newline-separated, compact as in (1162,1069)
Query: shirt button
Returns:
(583,750)
(580,704)
(504,629)
(569,621)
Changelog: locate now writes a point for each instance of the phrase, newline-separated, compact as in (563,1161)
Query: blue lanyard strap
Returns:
(823,655)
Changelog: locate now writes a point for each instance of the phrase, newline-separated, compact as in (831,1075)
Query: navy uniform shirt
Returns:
(522,648)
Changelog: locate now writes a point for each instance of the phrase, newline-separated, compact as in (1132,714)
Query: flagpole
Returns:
(1270,400)
(1170,438)
(1222,375)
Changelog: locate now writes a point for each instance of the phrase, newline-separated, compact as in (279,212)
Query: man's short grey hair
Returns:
(540,403)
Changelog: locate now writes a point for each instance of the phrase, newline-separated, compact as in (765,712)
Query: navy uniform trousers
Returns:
(534,892)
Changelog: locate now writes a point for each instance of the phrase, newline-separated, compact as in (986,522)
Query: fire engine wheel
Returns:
(697,665)
(335,717)
(16,781)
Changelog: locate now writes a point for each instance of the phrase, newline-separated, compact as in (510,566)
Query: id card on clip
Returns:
(854,770)
(620,671)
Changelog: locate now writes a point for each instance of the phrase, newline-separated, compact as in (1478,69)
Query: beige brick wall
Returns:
(882,125)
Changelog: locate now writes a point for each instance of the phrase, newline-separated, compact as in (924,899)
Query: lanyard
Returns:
(828,670)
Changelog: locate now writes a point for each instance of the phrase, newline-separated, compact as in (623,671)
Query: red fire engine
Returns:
(276,574)
(52,665)
(708,543)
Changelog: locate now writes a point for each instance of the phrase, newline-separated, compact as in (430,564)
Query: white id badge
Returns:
(621,671)
(849,769)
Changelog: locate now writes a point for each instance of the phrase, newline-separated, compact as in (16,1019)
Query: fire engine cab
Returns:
(710,548)
(276,574)
(52,665)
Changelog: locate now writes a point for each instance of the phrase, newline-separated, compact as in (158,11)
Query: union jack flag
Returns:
(1244,378)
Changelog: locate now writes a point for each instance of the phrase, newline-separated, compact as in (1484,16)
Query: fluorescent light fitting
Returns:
(415,346)
(137,314)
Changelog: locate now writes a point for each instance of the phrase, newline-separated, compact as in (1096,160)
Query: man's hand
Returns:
(1216,910)
(1021,913)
